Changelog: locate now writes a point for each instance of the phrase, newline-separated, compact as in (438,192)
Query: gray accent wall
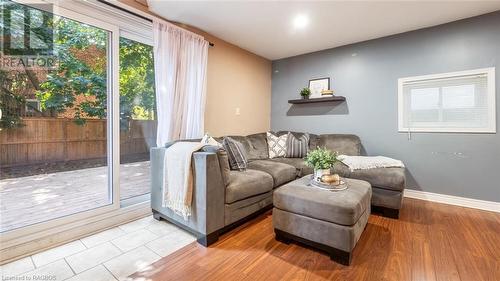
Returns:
(366,73)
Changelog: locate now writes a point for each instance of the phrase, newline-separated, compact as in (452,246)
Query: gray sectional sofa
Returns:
(224,198)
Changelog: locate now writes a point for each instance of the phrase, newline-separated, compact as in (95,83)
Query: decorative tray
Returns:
(330,187)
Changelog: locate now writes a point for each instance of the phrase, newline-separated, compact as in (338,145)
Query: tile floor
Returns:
(113,254)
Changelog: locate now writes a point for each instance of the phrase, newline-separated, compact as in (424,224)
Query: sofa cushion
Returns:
(280,172)
(246,207)
(343,144)
(386,178)
(343,207)
(246,184)
(300,165)
(255,145)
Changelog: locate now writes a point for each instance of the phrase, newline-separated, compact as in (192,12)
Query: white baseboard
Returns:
(453,200)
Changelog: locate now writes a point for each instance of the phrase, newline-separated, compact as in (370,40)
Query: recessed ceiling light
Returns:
(300,21)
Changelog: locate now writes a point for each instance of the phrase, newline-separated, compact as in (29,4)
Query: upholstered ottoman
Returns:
(329,220)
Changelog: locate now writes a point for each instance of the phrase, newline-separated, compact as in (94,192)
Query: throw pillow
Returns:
(236,153)
(276,145)
(297,147)
(207,139)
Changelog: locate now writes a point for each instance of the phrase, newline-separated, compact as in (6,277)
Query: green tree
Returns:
(78,84)
(74,75)
(9,102)
(137,93)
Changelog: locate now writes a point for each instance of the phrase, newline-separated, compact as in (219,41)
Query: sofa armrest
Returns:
(207,214)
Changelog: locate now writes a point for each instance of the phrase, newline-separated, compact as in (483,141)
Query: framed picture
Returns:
(318,85)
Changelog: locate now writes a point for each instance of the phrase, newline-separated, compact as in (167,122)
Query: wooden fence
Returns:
(46,140)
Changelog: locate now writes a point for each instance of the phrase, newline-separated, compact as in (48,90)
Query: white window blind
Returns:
(450,102)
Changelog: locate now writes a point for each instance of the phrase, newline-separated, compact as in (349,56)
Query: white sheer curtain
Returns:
(180,79)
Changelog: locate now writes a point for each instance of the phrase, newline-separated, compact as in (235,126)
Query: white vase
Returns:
(318,173)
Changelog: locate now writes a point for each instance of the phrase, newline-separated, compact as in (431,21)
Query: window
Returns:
(32,106)
(137,119)
(458,102)
(74,131)
(56,156)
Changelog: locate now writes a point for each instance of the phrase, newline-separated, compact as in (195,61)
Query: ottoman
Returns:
(331,221)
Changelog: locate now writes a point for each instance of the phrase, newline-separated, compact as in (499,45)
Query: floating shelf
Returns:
(315,100)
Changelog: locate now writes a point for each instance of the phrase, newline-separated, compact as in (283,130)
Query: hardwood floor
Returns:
(430,241)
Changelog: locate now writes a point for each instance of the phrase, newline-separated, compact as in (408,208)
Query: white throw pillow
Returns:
(276,145)
(207,139)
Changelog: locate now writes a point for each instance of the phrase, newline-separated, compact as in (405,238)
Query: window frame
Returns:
(130,26)
(26,106)
(113,137)
(491,101)
(142,198)
(33,238)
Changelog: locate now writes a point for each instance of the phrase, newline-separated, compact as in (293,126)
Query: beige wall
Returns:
(236,79)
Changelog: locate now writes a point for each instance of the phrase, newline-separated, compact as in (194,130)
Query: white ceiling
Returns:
(266,27)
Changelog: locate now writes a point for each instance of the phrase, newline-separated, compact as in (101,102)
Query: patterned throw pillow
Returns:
(297,147)
(277,145)
(236,153)
(208,140)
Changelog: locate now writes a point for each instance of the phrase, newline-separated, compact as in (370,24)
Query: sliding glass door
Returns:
(137,119)
(59,126)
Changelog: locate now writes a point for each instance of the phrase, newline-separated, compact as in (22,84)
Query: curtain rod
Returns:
(135,14)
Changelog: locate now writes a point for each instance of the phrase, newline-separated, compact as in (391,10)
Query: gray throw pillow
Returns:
(236,153)
(297,147)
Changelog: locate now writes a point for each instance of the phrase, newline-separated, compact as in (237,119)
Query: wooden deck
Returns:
(28,200)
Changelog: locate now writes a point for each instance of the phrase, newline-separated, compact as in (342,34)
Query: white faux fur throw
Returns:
(178,177)
(370,162)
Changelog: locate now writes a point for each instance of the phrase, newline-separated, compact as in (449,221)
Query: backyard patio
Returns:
(32,199)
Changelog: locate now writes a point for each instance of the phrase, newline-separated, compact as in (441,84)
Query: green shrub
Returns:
(305,92)
(321,158)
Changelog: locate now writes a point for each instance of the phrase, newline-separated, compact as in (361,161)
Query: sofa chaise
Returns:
(224,198)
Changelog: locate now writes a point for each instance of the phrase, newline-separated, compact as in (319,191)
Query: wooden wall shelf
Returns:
(315,100)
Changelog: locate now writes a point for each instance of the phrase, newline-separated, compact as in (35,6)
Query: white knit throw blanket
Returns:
(369,162)
(178,177)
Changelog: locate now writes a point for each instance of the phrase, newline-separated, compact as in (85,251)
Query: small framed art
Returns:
(318,85)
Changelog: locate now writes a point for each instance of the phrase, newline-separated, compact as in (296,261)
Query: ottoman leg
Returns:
(340,256)
(156,215)
(386,212)
(335,254)
(281,236)
(391,213)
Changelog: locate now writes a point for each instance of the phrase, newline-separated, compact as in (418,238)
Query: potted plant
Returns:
(321,160)
(305,93)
